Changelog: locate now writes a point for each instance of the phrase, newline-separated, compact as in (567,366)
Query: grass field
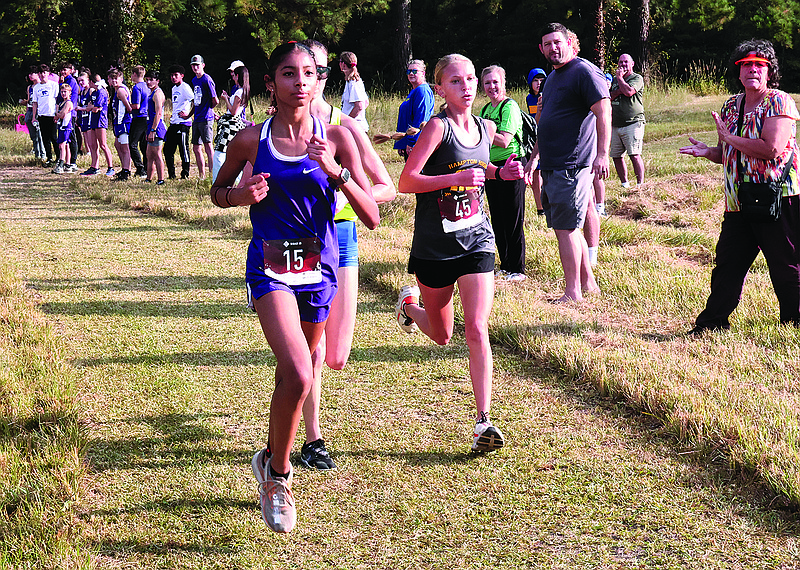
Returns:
(630,444)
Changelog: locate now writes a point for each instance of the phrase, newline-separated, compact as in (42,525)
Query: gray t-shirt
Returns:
(566,122)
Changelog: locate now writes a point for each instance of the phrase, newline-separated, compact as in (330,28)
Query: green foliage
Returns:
(708,14)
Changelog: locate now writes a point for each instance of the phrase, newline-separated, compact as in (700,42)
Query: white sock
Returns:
(593,256)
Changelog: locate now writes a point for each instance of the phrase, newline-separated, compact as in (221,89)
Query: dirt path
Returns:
(174,373)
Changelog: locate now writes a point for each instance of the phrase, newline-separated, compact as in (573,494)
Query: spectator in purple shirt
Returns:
(205,99)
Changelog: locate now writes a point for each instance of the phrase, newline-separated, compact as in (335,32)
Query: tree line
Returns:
(667,38)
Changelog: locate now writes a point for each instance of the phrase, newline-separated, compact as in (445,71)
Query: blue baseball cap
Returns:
(534,73)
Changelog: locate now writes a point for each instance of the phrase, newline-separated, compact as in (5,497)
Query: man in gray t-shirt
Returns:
(574,121)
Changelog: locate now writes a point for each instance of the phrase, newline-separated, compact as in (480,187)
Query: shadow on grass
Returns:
(174,283)
(178,440)
(507,335)
(386,353)
(213,311)
(417,458)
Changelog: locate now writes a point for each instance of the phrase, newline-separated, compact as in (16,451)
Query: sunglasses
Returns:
(412,71)
(322,72)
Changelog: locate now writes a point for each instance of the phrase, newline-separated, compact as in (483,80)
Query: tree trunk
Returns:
(402,47)
(48,34)
(599,49)
(642,23)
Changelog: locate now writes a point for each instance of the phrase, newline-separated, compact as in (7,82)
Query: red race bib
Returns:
(293,261)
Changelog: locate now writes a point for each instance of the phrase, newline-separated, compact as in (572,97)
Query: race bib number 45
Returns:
(459,208)
(293,261)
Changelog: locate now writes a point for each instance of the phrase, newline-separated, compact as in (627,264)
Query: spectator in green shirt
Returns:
(627,120)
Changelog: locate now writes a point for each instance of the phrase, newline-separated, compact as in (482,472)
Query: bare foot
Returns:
(567,299)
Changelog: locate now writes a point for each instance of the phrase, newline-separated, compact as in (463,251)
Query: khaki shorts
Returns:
(627,140)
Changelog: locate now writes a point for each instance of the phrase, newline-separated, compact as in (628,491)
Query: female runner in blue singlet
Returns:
(293,256)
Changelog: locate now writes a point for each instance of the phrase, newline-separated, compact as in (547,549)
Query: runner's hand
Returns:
(319,149)
(254,190)
(470,177)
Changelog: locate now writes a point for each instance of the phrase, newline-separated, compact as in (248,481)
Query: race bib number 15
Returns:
(293,261)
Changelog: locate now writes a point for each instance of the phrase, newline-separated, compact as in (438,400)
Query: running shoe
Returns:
(59,168)
(314,455)
(71,168)
(123,175)
(500,274)
(110,172)
(160,183)
(486,437)
(91,171)
(49,163)
(601,210)
(516,277)
(275,494)
(408,294)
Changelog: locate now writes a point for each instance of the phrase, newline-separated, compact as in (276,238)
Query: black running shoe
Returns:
(314,456)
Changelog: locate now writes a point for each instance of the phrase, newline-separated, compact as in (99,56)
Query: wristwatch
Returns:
(344,176)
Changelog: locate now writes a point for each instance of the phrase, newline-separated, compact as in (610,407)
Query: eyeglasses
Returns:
(412,71)
(322,72)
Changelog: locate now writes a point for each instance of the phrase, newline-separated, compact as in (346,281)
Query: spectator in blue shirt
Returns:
(416,109)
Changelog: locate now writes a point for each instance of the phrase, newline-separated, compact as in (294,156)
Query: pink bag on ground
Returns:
(21,127)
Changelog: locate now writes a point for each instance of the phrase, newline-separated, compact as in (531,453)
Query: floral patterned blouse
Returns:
(775,104)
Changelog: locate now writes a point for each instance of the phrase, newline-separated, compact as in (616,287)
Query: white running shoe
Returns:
(513,277)
(408,294)
(486,437)
(275,494)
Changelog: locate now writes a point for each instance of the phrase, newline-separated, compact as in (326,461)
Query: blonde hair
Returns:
(349,58)
(444,62)
(576,43)
(491,69)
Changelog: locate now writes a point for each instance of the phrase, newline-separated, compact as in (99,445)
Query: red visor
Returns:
(754,57)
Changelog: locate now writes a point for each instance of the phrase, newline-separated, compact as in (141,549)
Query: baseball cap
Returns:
(197,59)
(752,56)
(534,73)
(235,65)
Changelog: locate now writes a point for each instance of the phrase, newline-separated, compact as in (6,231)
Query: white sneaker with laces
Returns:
(486,437)
(275,494)
(516,277)
(409,294)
